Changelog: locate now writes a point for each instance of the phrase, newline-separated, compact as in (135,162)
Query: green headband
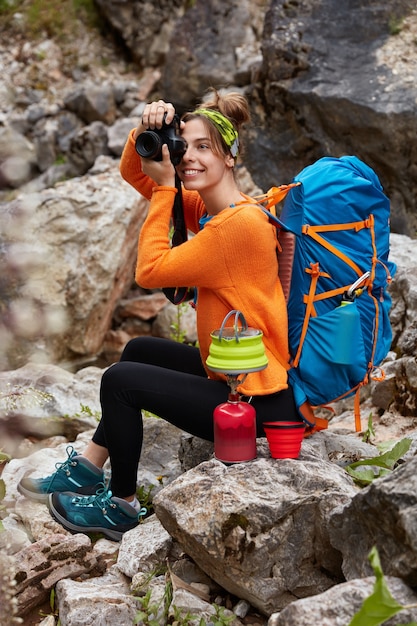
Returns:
(224,126)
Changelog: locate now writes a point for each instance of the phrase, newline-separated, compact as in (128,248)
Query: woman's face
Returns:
(200,167)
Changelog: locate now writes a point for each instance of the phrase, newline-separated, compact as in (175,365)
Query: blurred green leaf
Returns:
(389,458)
(380,605)
(385,461)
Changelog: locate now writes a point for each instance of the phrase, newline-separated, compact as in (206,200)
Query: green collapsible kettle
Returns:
(235,350)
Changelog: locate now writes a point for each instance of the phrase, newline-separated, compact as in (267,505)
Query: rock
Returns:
(102,600)
(17,158)
(13,536)
(144,307)
(46,390)
(243,540)
(318,101)
(118,132)
(213,38)
(144,548)
(336,606)
(92,103)
(76,296)
(40,566)
(60,288)
(8,602)
(86,145)
(359,525)
(176,322)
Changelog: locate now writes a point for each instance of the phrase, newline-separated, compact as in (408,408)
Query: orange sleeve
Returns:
(131,169)
(191,263)
(131,172)
(210,259)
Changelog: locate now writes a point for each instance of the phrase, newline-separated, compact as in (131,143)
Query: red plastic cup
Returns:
(284,439)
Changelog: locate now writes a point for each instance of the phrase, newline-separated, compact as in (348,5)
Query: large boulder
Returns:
(259,529)
(338,78)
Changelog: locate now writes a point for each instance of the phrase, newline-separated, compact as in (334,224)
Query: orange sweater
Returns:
(232,262)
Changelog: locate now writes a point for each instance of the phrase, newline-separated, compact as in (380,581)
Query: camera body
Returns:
(149,144)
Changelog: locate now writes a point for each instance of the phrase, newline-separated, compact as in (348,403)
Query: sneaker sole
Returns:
(33,495)
(115,535)
(44,497)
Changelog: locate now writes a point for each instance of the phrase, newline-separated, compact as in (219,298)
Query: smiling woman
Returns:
(229,268)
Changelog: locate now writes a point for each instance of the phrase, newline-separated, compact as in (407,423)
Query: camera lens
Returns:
(148,144)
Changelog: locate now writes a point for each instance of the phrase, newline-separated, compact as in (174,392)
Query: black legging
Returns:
(166,378)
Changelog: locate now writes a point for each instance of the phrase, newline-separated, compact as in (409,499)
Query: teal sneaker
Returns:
(76,474)
(101,513)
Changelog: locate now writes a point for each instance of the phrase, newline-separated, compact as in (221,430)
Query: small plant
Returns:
(369,432)
(380,605)
(182,619)
(145,498)
(4,458)
(219,618)
(53,607)
(395,25)
(6,6)
(17,398)
(380,465)
(178,333)
(85,410)
(60,159)
(148,613)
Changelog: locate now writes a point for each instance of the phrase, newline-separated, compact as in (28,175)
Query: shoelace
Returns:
(64,466)
(102,500)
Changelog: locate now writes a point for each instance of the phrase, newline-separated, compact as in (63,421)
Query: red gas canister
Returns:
(234,431)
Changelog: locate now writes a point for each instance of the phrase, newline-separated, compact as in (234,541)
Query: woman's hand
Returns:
(162,172)
(153,116)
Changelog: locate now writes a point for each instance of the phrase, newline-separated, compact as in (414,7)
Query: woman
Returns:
(232,263)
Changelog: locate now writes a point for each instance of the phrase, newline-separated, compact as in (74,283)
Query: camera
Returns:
(149,144)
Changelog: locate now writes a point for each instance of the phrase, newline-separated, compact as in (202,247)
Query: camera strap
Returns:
(176,295)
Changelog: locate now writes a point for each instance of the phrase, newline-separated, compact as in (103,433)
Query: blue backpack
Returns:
(333,243)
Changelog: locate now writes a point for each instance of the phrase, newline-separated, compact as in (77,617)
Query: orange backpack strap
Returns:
(317,423)
(313,232)
(315,274)
(274,196)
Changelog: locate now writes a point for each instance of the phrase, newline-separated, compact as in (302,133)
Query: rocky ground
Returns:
(24,64)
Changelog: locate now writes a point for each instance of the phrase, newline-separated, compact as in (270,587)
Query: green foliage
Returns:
(379,465)
(395,25)
(369,432)
(219,618)
(56,19)
(155,613)
(17,398)
(61,159)
(2,494)
(145,498)
(6,6)
(4,458)
(181,618)
(85,411)
(148,613)
(177,332)
(380,605)
(53,606)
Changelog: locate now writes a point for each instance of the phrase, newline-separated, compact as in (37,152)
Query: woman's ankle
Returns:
(97,455)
